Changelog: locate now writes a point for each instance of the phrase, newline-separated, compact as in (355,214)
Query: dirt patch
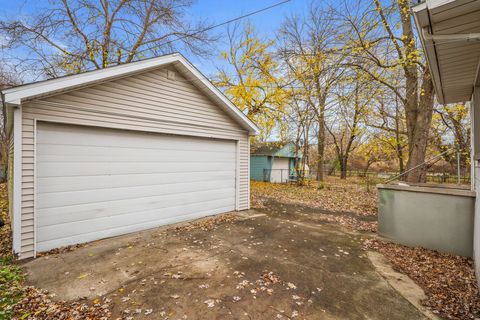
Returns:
(448,281)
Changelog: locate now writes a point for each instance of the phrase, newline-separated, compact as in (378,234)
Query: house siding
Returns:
(475,123)
(144,102)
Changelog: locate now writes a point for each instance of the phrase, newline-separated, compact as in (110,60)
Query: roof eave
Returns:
(15,96)
(422,21)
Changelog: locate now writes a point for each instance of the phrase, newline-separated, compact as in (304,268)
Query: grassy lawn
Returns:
(11,275)
(11,291)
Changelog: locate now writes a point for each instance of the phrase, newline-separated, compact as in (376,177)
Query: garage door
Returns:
(93,183)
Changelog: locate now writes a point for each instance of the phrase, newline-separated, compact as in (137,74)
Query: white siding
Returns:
(280,170)
(475,121)
(146,102)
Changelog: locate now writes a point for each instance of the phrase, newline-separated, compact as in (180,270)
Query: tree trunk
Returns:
(365,171)
(419,131)
(399,153)
(401,165)
(343,168)
(321,145)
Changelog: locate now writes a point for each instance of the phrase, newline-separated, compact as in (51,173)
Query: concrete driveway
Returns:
(280,263)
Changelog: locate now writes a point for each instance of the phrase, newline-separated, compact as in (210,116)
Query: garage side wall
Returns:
(146,102)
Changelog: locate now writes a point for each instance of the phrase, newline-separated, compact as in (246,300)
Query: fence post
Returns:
(458,167)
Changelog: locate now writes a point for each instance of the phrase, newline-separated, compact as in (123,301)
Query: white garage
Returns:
(120,150)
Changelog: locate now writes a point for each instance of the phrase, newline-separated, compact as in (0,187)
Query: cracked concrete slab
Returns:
(281,262)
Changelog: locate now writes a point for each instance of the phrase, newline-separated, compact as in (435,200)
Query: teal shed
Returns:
(273,162)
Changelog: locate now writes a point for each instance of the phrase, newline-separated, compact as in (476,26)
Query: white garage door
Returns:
(94,183)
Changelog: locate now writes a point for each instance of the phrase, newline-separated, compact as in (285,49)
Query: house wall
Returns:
(475,118)
(257,166)
(440,219)
(146,102)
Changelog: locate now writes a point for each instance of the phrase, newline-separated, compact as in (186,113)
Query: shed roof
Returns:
(450,34)
(274,148)
(16,95)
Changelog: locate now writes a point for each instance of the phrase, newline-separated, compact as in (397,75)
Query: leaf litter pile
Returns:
(38,304)
(348,201)
(448,281)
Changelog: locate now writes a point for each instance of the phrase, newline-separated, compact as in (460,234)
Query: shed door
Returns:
(93,183)
(280,170)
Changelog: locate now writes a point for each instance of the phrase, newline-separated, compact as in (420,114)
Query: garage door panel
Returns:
(102,137)
(94,182)
(69,198)
(59,215)
(124,156)
(45,245)
(67,229)
(62,184)
(93,169)
(98,151)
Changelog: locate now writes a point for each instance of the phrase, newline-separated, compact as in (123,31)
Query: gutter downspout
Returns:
(467,37)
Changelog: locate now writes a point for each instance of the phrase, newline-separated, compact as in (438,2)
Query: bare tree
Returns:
(388,124)
(74,36)
(307,47)
(7,79)
(299,118)
(382,41)
(353,98)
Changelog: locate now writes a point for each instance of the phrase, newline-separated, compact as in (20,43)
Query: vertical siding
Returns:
(244,194)
(27,222)
(147,102)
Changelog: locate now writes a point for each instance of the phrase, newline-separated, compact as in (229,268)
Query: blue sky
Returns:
(214,11)
(266,22)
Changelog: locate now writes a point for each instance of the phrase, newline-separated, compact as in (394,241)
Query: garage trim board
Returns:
(135,104)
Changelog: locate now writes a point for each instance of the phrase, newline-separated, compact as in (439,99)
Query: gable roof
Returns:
(276,148)
(16,95)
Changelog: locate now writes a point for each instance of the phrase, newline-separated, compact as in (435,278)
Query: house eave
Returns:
(449,31)
(423,23)
(17,95)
